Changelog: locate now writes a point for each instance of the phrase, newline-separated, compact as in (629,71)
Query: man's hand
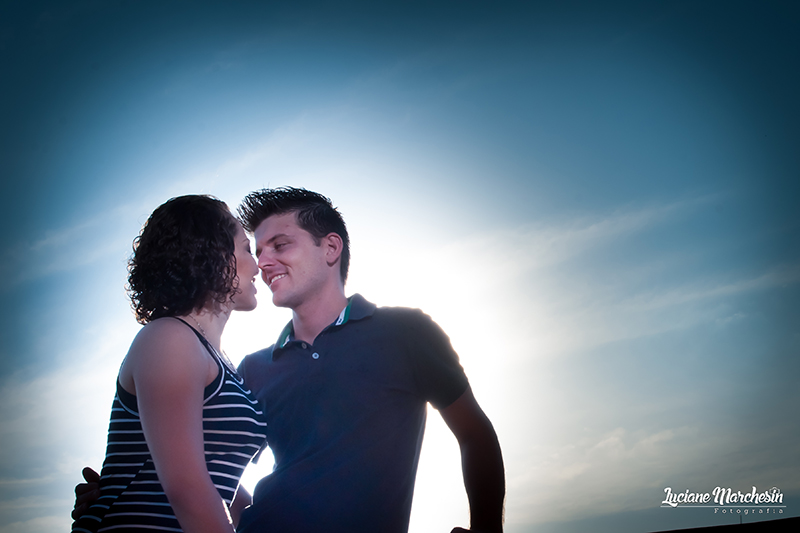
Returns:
(86,493)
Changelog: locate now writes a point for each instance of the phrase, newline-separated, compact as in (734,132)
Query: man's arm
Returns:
(481,462)
(242,500)
(87,493)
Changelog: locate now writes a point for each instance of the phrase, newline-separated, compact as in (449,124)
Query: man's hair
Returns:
(315,214)
(183,259)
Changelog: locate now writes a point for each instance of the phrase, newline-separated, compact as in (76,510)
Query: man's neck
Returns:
(312,317)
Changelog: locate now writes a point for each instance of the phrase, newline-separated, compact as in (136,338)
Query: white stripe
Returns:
(244,455)
(251,402)
(160,528)
(226,463)
(162,504)
(231,451)
(220,474)
(133,513)
(235,419)
(243,433)
(233,446)
(233,406)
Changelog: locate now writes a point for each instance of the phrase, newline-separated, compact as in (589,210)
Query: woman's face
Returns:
(246,272)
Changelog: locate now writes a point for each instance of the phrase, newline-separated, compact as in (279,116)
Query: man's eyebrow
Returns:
(276,237)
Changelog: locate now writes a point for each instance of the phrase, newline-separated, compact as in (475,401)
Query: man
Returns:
(346,386)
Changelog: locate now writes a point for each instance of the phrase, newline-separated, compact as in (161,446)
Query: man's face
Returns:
(292,264)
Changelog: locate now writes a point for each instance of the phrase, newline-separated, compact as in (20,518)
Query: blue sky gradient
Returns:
(597,201)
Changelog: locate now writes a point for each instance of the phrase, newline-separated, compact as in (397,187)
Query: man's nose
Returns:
(265,259)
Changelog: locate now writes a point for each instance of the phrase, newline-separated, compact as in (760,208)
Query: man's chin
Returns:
(277,301)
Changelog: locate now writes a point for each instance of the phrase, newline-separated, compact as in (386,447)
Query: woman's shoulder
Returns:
(165,334)
(165,348)
(165,329)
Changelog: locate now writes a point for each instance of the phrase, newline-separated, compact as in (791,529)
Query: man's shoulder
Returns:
(389,315)
(261,357)
(260,354)
(253,368)
(400,311)
(401,314)
(408,320)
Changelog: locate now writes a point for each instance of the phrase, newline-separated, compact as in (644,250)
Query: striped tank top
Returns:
(131,498)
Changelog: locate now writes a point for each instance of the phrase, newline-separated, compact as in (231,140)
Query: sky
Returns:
(596,201)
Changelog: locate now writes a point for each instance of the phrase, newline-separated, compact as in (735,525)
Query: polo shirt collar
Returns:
(357,308)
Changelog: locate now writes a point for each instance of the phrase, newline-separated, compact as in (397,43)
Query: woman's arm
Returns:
(169,369)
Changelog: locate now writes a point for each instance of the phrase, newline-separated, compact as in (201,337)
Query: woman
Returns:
(183,426)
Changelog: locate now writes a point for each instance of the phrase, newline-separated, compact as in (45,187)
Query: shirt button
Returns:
(304,345)
(315,355)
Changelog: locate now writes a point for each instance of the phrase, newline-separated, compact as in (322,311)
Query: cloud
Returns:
(65,248)
(55,423)
(513,300)
(517,300)
(93,237)
(779,276)
(41,524)
(562,285)
(559,281)
(549,244)
(617,470)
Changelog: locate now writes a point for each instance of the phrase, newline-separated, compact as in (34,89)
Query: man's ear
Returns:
(333,247)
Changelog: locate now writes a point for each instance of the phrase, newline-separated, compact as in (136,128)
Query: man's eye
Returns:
(280,245)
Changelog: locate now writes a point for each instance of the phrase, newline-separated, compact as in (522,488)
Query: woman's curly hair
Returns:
(183,259)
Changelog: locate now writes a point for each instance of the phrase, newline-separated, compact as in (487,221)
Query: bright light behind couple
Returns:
(595,202)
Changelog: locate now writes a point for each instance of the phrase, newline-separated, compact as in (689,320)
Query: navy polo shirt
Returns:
(345,419)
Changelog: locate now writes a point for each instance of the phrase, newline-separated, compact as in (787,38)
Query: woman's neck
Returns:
(209,323)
